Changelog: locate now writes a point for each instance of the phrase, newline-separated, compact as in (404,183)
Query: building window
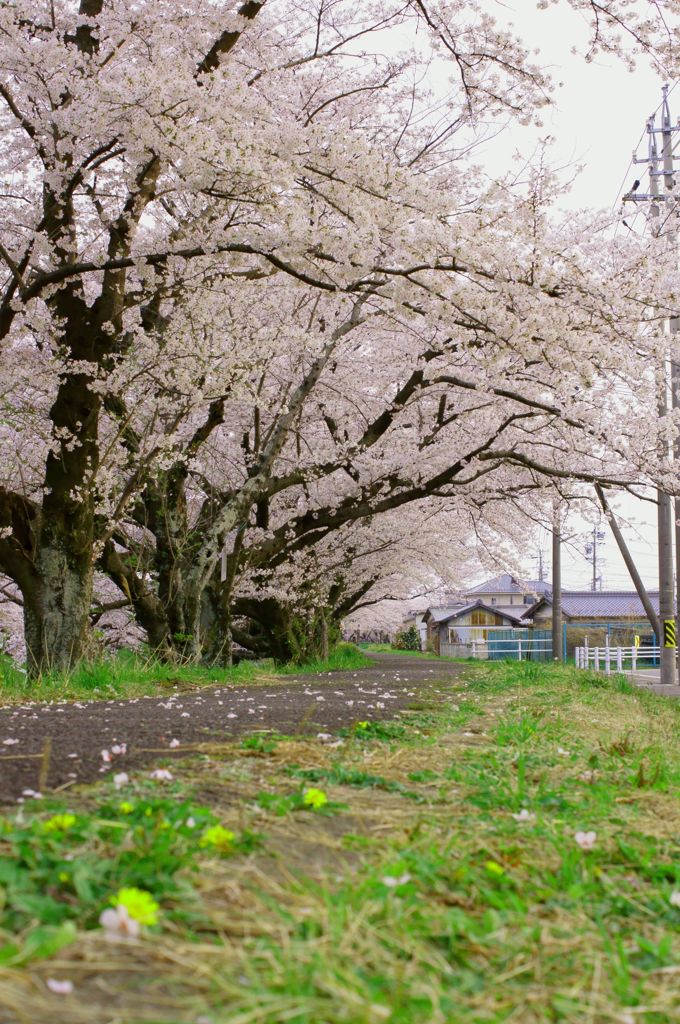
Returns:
(493,600)
(528,599)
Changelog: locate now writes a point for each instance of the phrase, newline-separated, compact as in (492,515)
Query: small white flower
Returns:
(174,743)
(119,748)
(674,898)
(118,924)
(121,779)
(190,823)
(60,988)
(9,742)
(392,881)
(106,756)
(586,840)
(161,775)
(524,815)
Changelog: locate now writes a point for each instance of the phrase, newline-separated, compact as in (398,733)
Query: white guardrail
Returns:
(616,659)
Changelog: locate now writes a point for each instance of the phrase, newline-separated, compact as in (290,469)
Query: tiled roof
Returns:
(441,614)
(603,604)
(444,614)
(503,584)
(507,584)
(539,586)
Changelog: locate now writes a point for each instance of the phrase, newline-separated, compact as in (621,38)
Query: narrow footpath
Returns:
(48,747)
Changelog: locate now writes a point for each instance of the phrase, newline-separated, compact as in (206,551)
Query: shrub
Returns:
(407,640)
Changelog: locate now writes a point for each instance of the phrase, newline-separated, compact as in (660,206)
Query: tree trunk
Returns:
(58,607)
(56,614)
(323,642)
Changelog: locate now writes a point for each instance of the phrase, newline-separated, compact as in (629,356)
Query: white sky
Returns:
(598,119)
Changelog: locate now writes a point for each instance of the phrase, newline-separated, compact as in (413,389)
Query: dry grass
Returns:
(304,931)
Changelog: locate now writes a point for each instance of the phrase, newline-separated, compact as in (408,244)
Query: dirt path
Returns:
(46,747)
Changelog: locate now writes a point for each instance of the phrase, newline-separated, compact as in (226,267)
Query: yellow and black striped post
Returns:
(669,632)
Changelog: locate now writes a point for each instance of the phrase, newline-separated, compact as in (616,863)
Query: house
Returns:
(452,630)
(506,602)
(510,593)
(614,606)
(414,619)
(597,617)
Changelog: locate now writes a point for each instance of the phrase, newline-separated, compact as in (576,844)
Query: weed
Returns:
(481,907)
(619,748)
(384,731)
(262,742)
(342,776)
(62,870)
(310,799)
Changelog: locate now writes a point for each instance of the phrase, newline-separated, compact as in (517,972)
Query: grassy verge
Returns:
(128,674)
(509,852)
(345,657)
(388,649)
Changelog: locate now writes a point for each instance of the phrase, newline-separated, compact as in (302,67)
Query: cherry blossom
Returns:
(62,987)
(586,840)
(260,303)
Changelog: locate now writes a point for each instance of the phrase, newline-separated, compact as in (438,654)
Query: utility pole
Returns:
(630,564)
(591,555)
(557,587)
(655,199)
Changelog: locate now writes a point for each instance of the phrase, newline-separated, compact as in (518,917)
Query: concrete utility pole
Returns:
(591,553)
(630,564)
(655,200)
(557,588)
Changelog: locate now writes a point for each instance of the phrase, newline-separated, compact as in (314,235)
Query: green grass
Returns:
(130,674)
(344,657)
(442,881)
(388,649)
(123,674)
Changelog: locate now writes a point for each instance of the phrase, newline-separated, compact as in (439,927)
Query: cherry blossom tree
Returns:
(166,164)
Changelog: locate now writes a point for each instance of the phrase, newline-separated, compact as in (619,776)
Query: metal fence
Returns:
(499,644)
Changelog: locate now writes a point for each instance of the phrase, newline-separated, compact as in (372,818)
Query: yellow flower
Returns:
(362,725)
(140,904)
(494,869)
(63,876)
(218,837)
(315,798)
(126,807)
(59,823)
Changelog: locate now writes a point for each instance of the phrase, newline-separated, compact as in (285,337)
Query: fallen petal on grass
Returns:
(60,988)
(586,840)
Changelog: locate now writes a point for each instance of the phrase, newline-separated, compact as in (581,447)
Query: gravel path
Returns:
(46,747)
